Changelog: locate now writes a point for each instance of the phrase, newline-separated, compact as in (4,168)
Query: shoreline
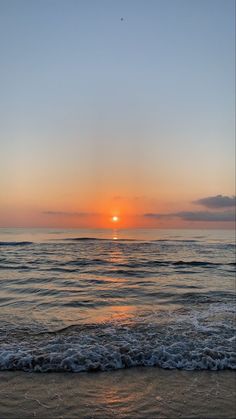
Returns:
(143,392)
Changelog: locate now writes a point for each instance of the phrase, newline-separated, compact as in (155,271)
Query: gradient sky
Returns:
(119,107)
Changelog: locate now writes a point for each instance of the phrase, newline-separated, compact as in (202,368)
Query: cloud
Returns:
(69,214)
(218,201)
(197,215)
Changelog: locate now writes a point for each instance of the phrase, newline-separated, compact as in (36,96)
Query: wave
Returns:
(177,240)
(135,268)
(78,239)
(22,243)
(199,263)
(182,341)
(58,355)
(153,263)
(149,263)
(127,239)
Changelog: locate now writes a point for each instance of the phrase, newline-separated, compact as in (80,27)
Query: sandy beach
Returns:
(133,393)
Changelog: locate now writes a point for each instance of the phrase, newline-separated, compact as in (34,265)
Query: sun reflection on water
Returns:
(115,235)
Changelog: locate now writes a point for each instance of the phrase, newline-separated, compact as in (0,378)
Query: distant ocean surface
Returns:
(89,300)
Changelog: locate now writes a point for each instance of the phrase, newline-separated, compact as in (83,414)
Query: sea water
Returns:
(89,300)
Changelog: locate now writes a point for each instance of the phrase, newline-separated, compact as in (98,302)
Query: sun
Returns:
(115,219)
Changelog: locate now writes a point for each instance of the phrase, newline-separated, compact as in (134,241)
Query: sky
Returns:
(117,108)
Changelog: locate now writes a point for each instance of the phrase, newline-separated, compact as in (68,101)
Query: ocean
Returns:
(102,300)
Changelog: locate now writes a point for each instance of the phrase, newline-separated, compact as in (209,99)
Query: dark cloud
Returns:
(218,201)
(197,215)
(69,214)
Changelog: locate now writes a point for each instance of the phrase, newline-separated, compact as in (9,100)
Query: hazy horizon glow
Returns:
(117,109)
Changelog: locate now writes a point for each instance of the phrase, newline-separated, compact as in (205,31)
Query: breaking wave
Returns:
(189,342)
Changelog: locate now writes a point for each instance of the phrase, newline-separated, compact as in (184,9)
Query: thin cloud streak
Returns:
(197,216)
(69,214)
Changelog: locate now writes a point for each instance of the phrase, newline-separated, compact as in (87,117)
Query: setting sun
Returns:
(115,219)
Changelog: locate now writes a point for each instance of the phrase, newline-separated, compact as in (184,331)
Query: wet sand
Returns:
(132,393)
